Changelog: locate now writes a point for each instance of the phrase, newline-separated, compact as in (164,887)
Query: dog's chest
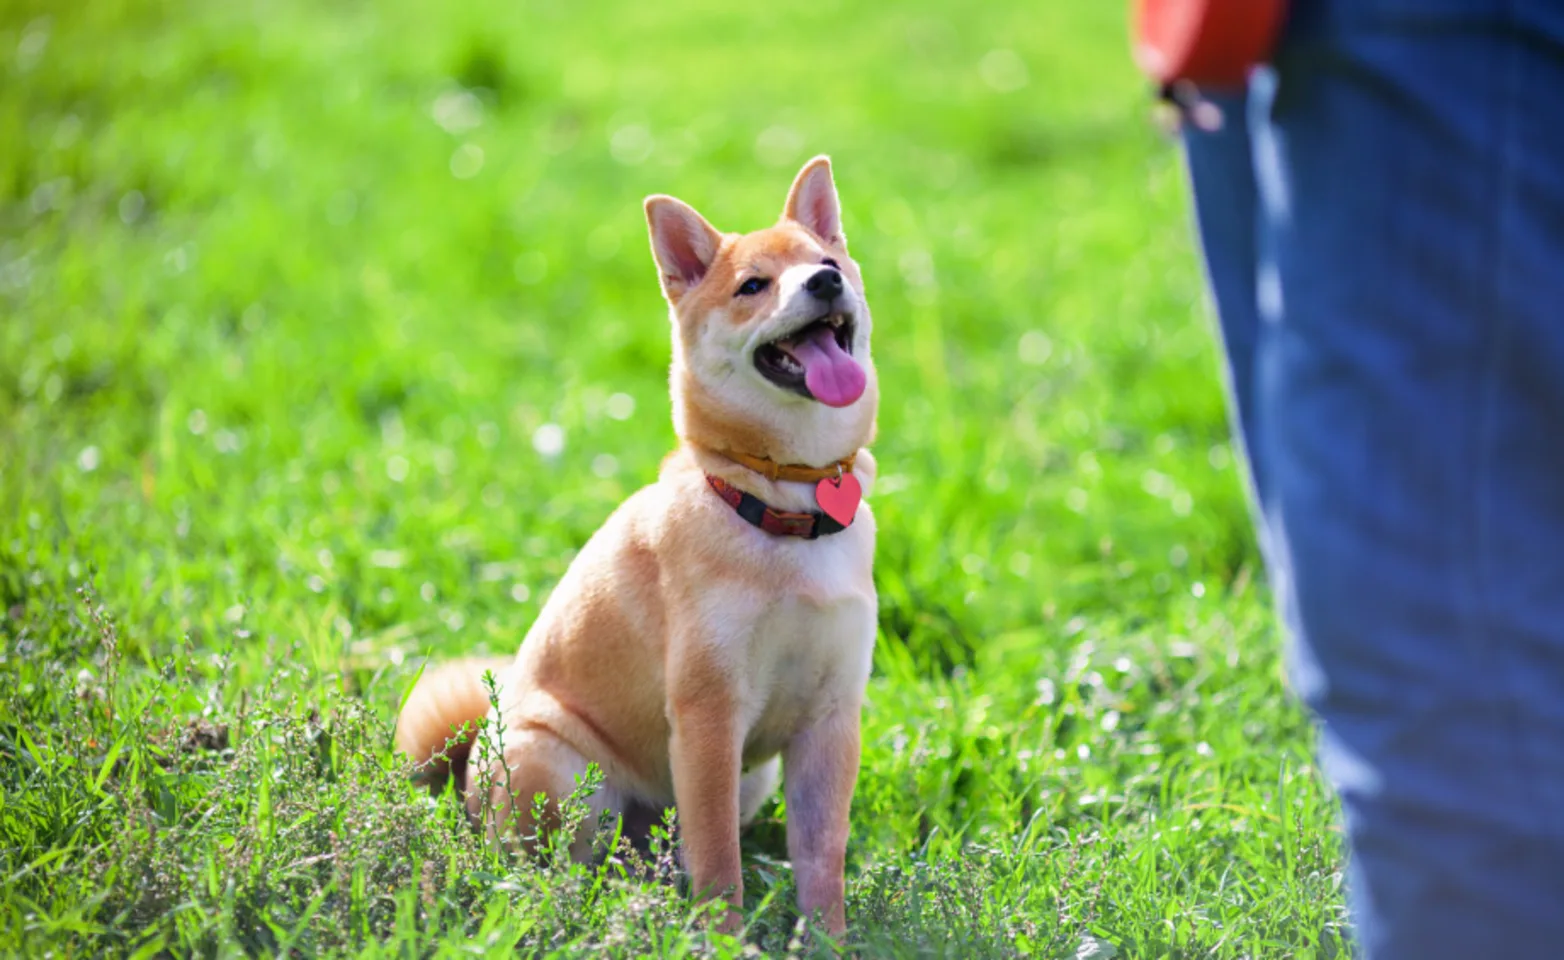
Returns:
(810,650)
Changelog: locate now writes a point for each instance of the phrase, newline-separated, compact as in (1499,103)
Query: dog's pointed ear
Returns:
(683,244)
(812,202)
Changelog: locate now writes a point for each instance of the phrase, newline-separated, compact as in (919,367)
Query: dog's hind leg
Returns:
(537,761)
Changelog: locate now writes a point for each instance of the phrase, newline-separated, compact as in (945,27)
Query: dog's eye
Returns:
(752,286)
(828,262)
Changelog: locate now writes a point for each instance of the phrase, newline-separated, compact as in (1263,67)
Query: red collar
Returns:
(809,526)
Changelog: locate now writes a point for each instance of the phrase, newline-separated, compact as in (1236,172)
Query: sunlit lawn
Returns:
(298,300)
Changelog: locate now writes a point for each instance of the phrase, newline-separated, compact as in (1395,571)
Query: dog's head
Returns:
(771,329)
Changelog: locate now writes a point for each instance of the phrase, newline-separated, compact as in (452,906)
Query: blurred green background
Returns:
(328,333)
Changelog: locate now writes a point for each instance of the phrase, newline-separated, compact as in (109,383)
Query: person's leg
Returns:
(1410,388)
(1221,174)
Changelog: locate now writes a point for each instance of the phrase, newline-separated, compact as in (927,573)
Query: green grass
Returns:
(286,292)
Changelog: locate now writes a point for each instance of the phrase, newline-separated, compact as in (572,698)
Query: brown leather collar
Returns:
(781,523)
(795,472)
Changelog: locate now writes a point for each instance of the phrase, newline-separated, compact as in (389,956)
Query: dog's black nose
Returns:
(825,285)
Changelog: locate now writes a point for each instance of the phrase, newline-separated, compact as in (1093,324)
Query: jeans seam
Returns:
(1489,388)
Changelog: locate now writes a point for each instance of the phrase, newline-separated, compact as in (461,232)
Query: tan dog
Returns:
(700,637)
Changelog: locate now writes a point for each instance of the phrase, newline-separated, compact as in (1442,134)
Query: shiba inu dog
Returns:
(717,630)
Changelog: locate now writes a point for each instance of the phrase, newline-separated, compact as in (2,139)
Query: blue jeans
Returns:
(1383,223)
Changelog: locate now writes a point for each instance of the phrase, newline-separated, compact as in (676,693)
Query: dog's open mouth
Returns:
(816,361)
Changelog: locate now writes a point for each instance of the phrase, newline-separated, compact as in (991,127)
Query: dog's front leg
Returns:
(820,768)
(705,758)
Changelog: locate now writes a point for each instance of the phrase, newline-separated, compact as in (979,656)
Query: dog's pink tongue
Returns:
(830,372)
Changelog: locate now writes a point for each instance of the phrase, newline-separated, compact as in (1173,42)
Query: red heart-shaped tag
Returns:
(839,497)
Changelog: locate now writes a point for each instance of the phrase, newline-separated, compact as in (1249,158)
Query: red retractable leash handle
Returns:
(1186,46)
